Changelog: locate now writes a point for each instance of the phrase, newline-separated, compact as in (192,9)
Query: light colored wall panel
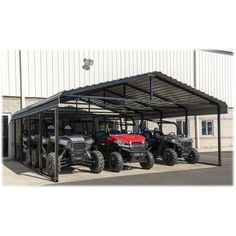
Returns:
(44,88)
(4,73)
(46,72)
(9,72)
(215,75)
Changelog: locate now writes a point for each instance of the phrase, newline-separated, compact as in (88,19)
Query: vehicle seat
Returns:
(50,131)
(67,130)
(115,132)
(147,134)
(157,133)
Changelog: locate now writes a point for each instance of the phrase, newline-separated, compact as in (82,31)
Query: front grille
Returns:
(137,147)
(79,146)
(187,144)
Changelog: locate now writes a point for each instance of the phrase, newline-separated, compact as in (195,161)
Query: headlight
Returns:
(146,144)
(89,141)
(173,140)
(119,142)
(64,142)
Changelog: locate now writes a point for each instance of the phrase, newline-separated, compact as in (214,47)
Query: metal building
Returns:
(29,76)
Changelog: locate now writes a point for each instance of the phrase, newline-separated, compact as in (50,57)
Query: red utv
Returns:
(117,143)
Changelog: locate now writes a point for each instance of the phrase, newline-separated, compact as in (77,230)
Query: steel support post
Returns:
(186,123)
(124,93)
(141,123)
(89,106)
(56,125)
(104,95)
(76,102)
(121,124)
(40,143)
(195,86)
(219,136)
(196,132)
(151,87)
(21,139)
(126,126)
(15,140)
(161,117)
(29,137)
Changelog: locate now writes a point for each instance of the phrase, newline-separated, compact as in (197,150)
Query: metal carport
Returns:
(148,96)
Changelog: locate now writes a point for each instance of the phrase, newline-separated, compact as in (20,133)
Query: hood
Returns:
(73,138)
(178,138)
(128,138)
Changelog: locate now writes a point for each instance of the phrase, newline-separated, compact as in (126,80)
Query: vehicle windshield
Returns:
(113,125)
(160,129)
(169,128)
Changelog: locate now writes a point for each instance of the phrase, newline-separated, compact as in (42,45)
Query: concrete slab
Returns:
(15,173)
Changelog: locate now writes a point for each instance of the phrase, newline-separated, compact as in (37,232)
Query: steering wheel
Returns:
(171,133)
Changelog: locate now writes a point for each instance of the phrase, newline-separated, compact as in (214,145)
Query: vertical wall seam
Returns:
(53,84)
(41,79)
(35,87)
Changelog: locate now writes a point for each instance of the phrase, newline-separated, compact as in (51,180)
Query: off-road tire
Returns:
(149,161)
(97,162)
(50,164)
(170,157)
(116,162)
(27,158)
(193,157)
(154,153)
(35,158)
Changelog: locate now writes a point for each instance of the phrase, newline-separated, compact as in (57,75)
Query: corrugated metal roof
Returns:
(148,95)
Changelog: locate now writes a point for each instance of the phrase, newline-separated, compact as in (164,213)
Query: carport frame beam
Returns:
(56,125)
(219,135)
(29,136)
(40,143)
(186,122)
(15,156)
(21,139)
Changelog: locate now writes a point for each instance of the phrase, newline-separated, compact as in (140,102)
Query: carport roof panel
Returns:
(169,96)
(148,94)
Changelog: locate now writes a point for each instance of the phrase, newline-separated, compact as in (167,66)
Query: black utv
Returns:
(74,149)
(170,146)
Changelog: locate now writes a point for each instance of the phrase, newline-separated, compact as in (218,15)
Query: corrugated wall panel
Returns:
(215,75)
(4,73)
(47,72)
(9,72)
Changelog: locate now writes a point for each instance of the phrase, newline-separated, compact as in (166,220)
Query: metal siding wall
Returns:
(47,72)
(215,75)
(9,72)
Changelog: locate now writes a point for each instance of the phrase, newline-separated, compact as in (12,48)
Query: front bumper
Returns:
(79,156)
(133,155)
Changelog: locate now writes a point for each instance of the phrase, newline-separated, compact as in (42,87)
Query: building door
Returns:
(5,135)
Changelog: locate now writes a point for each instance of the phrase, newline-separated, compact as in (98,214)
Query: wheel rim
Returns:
(144,160)
(113,162)
(168,157)
(94,161)
(50,166)
(191,156)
